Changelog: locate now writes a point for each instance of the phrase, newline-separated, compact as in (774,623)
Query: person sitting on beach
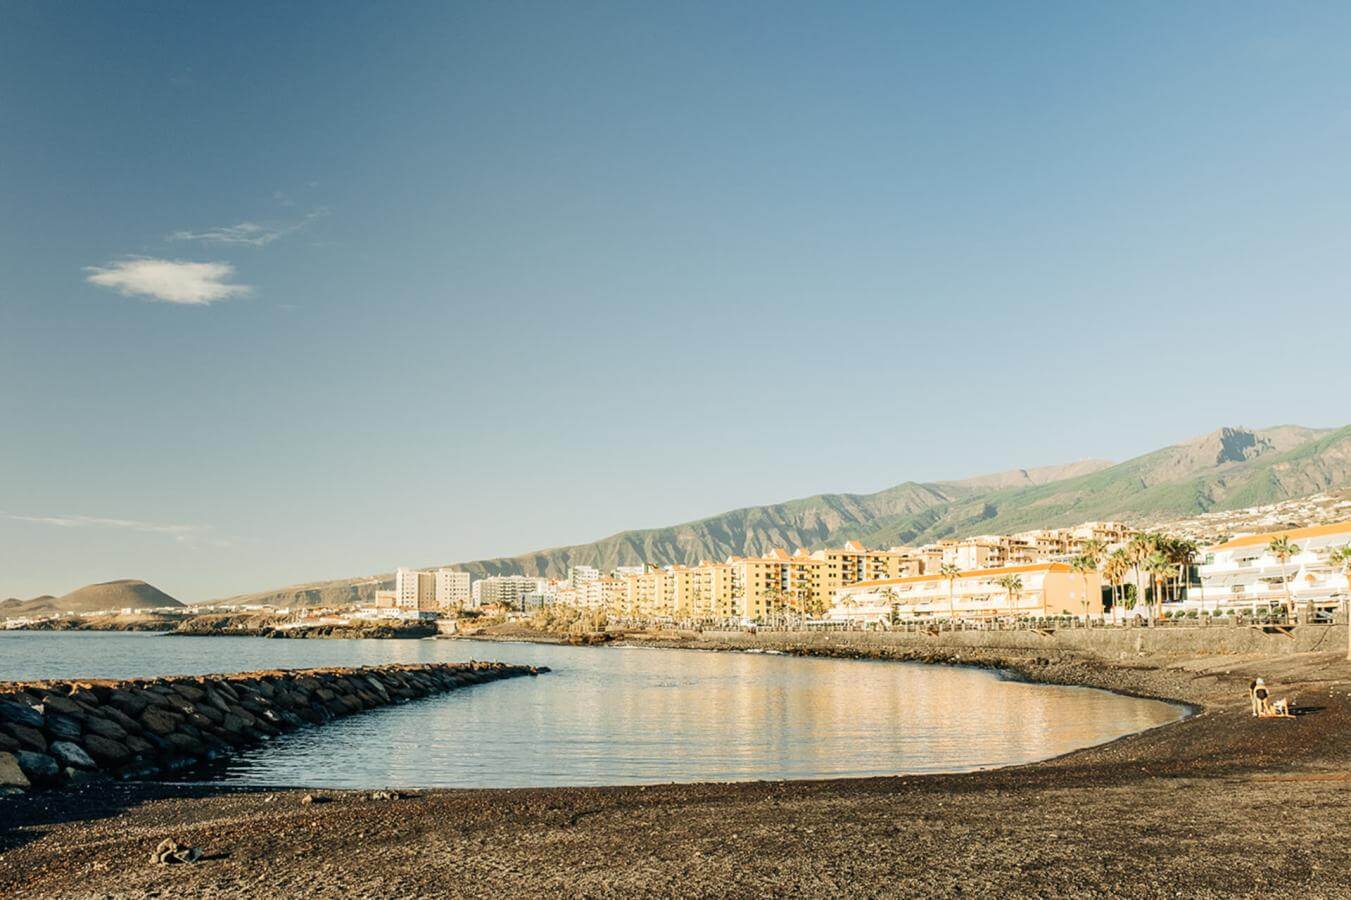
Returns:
(1279,710)
(1259,696)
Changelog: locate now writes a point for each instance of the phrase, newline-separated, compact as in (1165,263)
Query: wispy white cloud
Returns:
(169,280)
(182,533)
(251,234)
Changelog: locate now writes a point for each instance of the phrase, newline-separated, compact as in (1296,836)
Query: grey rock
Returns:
(39,767)
(11,774)
(28,738)
(71,754)
(106,727)
(21,714)
(105,749)
(56,703)
(63,728)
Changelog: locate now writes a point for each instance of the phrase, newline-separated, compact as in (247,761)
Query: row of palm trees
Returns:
(1156,560)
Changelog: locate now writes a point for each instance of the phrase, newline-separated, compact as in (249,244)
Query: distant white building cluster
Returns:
(419,591)
(509,590)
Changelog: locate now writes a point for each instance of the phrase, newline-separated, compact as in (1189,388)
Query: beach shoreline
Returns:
(1172,810)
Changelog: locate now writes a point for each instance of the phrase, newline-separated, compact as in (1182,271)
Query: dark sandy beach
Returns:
(1219,804)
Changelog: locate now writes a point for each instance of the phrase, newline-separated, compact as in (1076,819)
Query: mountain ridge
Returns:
(1230,467)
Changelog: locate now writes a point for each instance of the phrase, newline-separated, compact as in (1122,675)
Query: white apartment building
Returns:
(1044,589)
(414,590)
(508,590)
(1242,574)
(580,575)
(601,593)
(453,589)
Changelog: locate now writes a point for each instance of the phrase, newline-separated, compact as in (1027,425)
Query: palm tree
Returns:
(1141,547)
(1014,585)
(1159,566)
(1094,550)
(1115,568)
(893,602)
(1283,550)
(950,571)
(773,599)
(1185,551)
(1084,565)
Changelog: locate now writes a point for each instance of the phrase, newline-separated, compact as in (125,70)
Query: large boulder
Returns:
(28,738)
(11,774)
(106,750)
(189,691)
(113,714)
(106,727)
(39,767)
(53,702)
(72,755)
(133,704)
(20,714)
(159,720)
(62,727)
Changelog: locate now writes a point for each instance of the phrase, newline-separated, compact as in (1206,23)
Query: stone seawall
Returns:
(56,732)
(1104,643)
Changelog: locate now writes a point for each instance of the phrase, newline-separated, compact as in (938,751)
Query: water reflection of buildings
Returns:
(626,715)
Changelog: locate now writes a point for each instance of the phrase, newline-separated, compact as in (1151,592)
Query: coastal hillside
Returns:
(809,521)
(128,593)
(1230,468)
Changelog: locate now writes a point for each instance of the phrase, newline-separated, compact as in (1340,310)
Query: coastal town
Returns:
(1097,570)
(1094,573)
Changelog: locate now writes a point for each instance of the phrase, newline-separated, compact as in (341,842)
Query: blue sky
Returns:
(290,292)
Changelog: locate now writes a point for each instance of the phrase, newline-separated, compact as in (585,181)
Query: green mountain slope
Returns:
(1226,469)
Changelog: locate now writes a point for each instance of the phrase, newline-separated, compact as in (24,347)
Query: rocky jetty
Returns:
(59,732)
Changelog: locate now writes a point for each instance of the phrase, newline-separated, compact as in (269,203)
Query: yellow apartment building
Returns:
(854,562)
(754,587)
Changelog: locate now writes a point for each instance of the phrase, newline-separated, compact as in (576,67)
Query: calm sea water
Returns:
(613,715)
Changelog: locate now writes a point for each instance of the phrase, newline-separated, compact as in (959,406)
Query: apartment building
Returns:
(854,562)
(506,590)
(599,593)
(1043,589)
(752,587)
(1043,545)
(414,590)
(1110,534)
(778,582)
(1242,573)
(453,589)
(579,575)
(987,551)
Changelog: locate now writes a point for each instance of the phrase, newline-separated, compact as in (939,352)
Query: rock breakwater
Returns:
(58,732)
